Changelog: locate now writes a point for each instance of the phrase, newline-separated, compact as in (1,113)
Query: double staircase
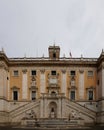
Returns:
(19,113)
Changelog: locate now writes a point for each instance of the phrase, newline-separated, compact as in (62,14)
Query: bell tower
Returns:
(54,52)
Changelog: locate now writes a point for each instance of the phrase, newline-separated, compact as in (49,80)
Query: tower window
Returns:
(54,55)
(15,95)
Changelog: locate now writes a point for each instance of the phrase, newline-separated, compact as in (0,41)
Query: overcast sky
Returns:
(31,26)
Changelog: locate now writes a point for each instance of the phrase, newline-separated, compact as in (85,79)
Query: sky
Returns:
(29,27)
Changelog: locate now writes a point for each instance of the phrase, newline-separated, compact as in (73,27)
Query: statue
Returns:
(74,115)
(52,114)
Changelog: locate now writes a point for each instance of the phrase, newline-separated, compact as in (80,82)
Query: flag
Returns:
(70,55)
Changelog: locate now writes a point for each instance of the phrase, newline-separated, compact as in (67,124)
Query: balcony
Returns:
(53,95)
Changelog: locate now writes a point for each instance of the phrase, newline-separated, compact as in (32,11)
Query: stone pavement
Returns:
(86,128)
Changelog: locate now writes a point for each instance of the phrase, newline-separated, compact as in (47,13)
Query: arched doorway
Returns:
(52,110)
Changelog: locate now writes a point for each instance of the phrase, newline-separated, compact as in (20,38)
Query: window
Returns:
(72,95)
(90,73)
(53,72)
(90,95)
(54,55)
(33,95)
(15,95)
(72,73)
(15,72)
(33,72)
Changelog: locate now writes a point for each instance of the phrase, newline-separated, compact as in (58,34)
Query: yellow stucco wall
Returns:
(17,80)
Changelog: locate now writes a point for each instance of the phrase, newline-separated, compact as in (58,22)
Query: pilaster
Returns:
(81,84)
(24,84)
(42,81)
(64,84)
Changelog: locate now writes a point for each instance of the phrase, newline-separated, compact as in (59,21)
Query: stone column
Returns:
(81,84)
(24,85)
(64,85)
(42,81)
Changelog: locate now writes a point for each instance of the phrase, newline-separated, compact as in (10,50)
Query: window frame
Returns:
(71,73)
(90,73)
(90,98)
(15,73)
(33,71)
(32,95)
(54,55)
(71,95)
(53,73)
(15,97)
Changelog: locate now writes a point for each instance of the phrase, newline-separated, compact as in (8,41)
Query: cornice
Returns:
(52,63)
(4,58)
(66,62)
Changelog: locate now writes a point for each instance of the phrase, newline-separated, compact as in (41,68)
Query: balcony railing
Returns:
(53,95)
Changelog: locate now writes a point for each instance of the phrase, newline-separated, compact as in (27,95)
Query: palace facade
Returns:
(52,87)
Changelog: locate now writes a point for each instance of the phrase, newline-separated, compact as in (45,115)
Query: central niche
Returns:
(52,110)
